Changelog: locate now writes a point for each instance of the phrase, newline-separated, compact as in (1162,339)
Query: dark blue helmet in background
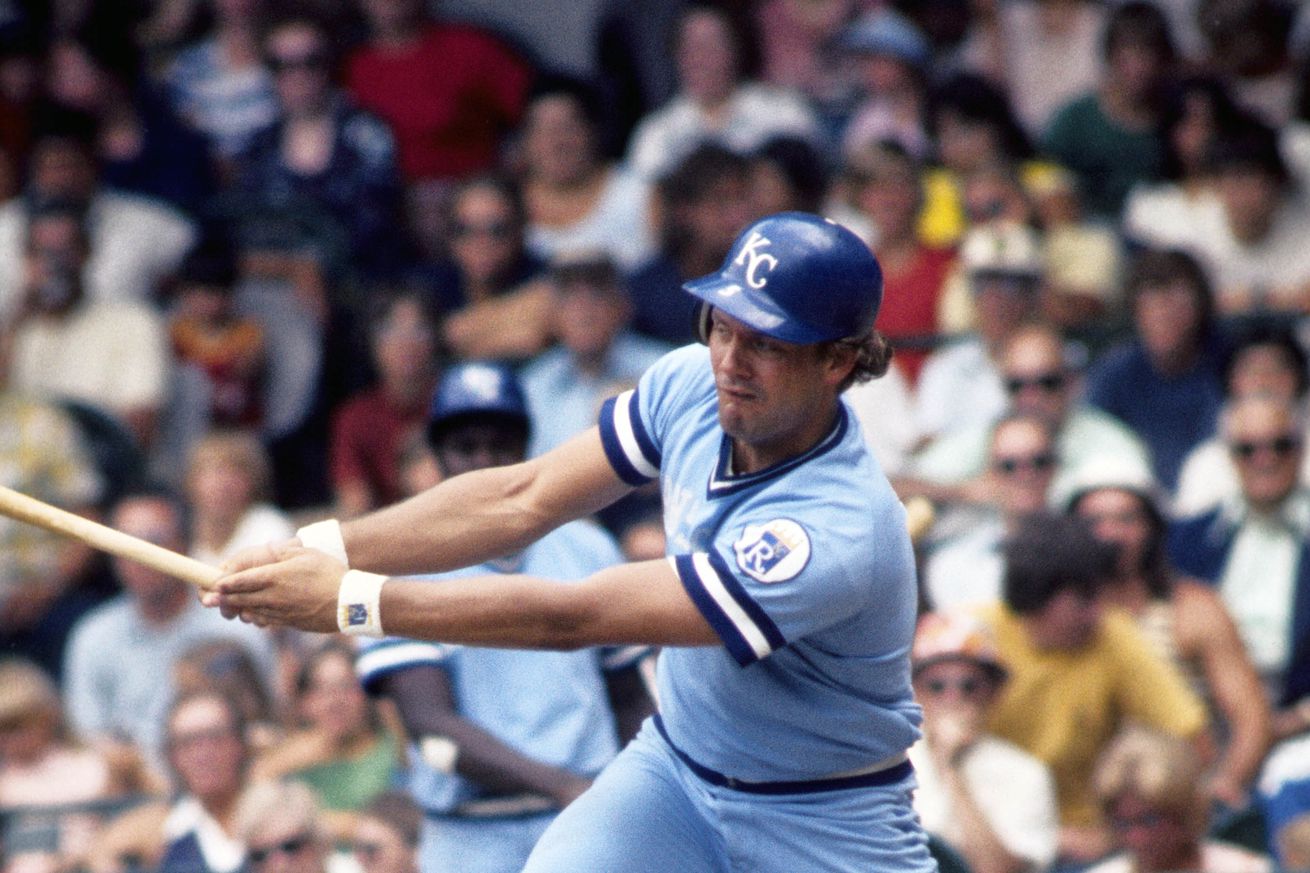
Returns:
(796,277)
(477,389)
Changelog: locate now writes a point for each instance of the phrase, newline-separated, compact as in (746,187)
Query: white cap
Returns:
(1002,248)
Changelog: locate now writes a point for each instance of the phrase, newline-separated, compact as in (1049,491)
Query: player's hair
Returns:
(873,357)
(1050,554)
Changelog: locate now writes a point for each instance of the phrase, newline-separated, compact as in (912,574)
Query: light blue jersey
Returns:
(551,706)
(805,571)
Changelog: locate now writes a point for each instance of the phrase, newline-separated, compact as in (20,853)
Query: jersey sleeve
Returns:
(772,585)
(633,424)
(377,659)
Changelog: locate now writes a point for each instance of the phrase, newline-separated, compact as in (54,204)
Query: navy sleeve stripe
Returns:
(627,446)
(378,660)
(747,603)
(741,650)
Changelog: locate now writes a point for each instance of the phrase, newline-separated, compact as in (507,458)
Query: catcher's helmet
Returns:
(476,389)
(795,277)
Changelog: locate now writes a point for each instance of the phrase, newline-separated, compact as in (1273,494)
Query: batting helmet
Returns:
(477,388)
(795,277)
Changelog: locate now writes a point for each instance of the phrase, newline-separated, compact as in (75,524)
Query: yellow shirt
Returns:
(1064,707)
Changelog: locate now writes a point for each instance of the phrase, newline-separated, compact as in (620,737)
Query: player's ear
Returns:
(838,360)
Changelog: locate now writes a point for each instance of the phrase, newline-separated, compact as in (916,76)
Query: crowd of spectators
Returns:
(241,241)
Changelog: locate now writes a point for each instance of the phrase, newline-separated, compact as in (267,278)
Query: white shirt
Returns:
(260,524)
(885,410)
(618,224)
(1013,790)
(959,387)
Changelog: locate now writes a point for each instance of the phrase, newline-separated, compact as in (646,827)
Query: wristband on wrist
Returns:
(325,536)
(359,608)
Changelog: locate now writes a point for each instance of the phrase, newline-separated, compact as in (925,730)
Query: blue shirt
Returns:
(804,570)
(551,706)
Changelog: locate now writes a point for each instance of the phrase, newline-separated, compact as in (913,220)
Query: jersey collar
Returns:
(724,482)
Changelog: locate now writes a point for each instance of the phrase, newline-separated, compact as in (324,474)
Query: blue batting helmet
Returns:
(477,388)
(798,278)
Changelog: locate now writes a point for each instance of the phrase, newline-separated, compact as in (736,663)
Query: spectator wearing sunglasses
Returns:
(1150,787)
(279,822)
(988,799)
(963,561)
(1253,548)
(1039,380)
(1078,672)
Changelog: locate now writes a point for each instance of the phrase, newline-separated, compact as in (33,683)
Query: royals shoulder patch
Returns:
(773,552)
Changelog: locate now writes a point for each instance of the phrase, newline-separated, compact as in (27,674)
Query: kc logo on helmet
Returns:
(753,260)
(773,552)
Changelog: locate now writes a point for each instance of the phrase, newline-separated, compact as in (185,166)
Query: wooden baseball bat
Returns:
(43,515)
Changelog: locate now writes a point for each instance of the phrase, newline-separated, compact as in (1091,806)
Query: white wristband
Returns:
(359,608)
(326,537)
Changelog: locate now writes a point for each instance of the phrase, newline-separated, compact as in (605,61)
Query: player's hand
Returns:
(280,585)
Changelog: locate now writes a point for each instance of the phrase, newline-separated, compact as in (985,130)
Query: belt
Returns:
(885,772)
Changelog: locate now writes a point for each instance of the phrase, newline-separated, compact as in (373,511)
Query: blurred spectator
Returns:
(1266,361)
(991,801)
(219,84)
(386,836)
(489,293)
(1166,381)
(1078,673)
(1254,245)
(44,456)
(226,667)
(282,829)
(323,157)
(369,428)
(714,103)
(960,385)
(964,564)
(704,202)
(121,655)
(341,749)
(1041,381)
(227,348)
(1248,43)
(1110,138)
(228,484)
(67,345)
(1184,619)
(891,57)
(884,407)
(574,198)
(1149,785)
(450,92)
(796,39)
(1045,52)
(204,739)
(503,739)
(42,768)
(787,175)
(143,147)
(1252,548)
(597,356)
(134,242)
(973,128)
(1285,802)
(1199,111)
(20,87)
(889,192)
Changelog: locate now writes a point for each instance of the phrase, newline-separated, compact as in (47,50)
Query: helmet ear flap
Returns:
(703,322)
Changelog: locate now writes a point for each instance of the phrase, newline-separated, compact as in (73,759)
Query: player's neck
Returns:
(751,457)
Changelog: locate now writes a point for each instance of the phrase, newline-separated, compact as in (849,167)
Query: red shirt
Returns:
(367,435)
(909,304)
(448,96)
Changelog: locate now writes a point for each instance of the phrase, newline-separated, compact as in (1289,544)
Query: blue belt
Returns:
(894,773)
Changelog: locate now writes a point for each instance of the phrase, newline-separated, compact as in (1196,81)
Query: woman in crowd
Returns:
(1183,618)
(228,482)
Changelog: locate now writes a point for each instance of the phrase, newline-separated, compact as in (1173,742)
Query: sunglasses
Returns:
(497,230)
(1048,382)
(290,846)
(1245,450)
(964,687)
(286,63)
(1038,463)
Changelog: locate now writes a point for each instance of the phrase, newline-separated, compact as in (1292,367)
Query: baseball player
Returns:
(786,606)
(505,737)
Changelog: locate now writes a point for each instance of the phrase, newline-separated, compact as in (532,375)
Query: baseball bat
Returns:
(32,511)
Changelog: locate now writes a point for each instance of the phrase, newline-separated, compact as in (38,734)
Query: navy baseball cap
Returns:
(477,388)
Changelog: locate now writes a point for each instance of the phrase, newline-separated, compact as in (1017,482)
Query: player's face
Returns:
(775,398)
